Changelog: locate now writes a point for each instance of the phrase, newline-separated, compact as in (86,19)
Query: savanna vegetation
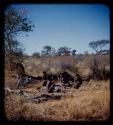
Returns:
(90,102)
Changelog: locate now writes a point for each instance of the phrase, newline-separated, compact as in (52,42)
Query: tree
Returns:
(15,24)
(99,46)
(98,66)
(74,52)
(48,51)
(63,51)
(53,51)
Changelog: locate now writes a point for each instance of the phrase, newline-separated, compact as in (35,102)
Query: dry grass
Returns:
(35,66)
(90,102)
(87,103)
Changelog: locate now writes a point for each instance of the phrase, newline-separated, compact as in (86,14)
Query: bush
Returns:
(98,67)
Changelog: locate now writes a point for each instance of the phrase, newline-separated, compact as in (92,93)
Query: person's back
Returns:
(44,87)
(51,86)
(78,81)
(47,86)
(45,76)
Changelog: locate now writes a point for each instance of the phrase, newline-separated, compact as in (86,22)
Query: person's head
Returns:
(44,72)
(77,75)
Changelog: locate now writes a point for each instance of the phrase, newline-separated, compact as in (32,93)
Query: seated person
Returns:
(48,83)
(78,81)
(44,87)
(50,86)
(45,76)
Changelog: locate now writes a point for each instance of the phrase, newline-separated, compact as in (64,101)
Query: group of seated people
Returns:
(50,85)
(48,79)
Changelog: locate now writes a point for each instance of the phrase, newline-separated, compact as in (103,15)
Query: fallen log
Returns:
(48,96)
(39,97)
(18,92)
(12,91)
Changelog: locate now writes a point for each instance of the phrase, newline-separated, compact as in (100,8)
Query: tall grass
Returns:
(90,102)
(87,103)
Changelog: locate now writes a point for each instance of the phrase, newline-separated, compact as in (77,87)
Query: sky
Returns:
(70,25)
